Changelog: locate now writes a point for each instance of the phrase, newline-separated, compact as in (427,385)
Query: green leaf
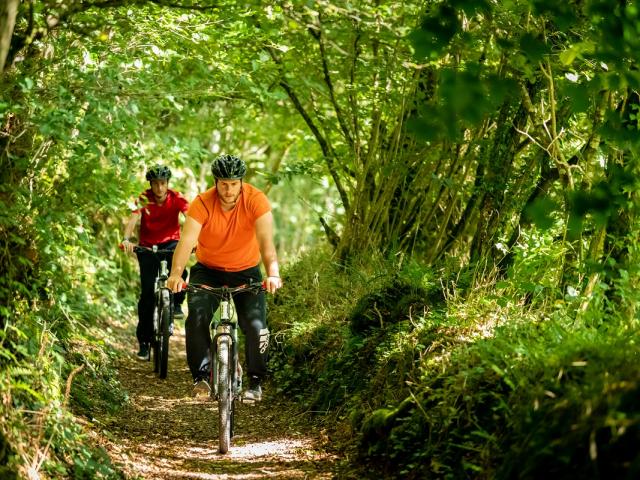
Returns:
(540,212)
(533,47)
(436,31)
(579,96)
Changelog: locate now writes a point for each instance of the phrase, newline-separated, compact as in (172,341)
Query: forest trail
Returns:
(163,433)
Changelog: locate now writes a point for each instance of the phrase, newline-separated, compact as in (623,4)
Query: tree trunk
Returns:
(8,13)
(498,166)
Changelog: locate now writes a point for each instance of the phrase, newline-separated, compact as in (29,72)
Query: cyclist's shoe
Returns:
(177,312)
(201,388)
(254,393)
(144,353)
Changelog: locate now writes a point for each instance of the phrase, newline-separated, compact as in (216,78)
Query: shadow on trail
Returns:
(163,433)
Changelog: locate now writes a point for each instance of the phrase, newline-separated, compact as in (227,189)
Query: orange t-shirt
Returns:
(228,240)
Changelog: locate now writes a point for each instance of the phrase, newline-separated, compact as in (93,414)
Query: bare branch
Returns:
(201,8)
(318,34)
(324,144)
(332,236)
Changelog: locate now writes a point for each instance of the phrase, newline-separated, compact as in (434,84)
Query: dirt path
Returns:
(165,434)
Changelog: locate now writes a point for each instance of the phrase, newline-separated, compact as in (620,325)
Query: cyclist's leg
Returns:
(148,272)
(252,318)
(198,339)
(178,298)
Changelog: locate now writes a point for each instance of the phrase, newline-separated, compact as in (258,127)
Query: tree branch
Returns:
(332,236)
(201,8)
(319,36)
(324,144)
(352,98)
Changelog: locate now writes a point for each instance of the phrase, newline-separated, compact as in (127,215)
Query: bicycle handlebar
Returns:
(220,291)
(141,249)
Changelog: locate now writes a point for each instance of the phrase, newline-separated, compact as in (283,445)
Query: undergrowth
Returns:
(426,377)
(56,373)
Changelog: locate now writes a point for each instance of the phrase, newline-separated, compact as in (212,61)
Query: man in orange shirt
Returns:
(231,226)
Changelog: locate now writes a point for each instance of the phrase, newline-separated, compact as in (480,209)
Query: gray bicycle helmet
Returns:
(159,172)
(228,167)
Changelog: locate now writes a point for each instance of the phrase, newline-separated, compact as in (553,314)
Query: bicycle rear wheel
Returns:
(225,395)
(163,337)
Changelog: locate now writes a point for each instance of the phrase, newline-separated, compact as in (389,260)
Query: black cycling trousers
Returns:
(252,318)
(149,268)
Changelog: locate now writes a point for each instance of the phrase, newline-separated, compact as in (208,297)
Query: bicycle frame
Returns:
(159,285)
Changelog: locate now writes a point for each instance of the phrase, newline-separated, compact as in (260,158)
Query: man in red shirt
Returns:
(158,212)
(231,226)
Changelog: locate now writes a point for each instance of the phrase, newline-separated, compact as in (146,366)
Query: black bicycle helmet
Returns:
(228,167)
(159,172)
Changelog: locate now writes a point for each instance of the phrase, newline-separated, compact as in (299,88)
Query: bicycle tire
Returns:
(154,341)
(163,337)
(225,394)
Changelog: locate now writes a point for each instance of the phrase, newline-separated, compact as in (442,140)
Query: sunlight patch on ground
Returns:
(277,458)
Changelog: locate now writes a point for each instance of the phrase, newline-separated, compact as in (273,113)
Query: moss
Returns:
(390,304)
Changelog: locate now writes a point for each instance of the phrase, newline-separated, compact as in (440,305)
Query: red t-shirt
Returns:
(160,223)
(228,240)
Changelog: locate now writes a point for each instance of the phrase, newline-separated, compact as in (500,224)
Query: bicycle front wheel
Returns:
(225,395)
(163,337)
(155,351)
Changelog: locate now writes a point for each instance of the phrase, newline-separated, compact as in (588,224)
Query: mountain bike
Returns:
(162,311)
(225,375)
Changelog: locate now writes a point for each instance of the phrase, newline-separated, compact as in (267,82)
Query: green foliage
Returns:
(40,360)
(541,212)
(604,199)
(63,177)
(440,132)
(319,348)
(465,99)
(392,303)
(532,400)
(437,29)
(494,383)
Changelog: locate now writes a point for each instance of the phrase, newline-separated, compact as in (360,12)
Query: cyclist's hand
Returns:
(127,246)
(272,284)
(175,283)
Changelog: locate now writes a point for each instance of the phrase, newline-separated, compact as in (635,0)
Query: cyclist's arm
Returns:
(128,231)
(264,234)
(188,239)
